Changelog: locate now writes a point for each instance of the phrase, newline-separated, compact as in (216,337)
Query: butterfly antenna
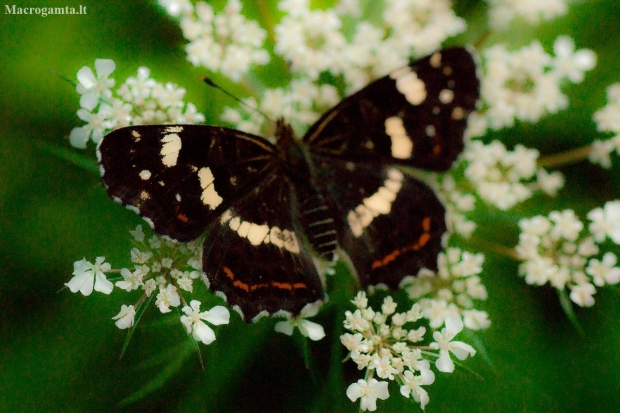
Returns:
(214,85)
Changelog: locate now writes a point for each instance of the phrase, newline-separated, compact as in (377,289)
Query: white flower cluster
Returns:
(525,84)
(315,41)
(504,178)
(160,266)
(139,101)
(554,251)
(502,12)
(225,42)
(457,203)
(607,120)
(307,100)
(381,343)
(452,291)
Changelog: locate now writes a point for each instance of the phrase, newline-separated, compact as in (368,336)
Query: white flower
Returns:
(177,7)
(226,43)
(570,63)
(519,85)
(600,151)
(383,367)
(307,328)
(443,342)
(582,295)
(311,41)
(605,222)
(88,276)
(412,385)
(132,280)
(604,271)
(567,225)
(167,297)
(498,174)
(502,12)
(193,321)
(93,87)
(97,124)
(125,318)
(137,234)
(421,25)
(369,391)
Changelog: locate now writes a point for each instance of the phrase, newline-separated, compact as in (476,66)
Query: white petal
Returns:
(461,350)
(81,266)
(354,391)
(444,363)
(284,327)
(423,397)
(104,67)
(89,100)
(103,285)
(125,318)
(194,305)
(381,389)
(454,325)
(186,321)
(217,315)
(203,332)
(82,283)
(427,375)
(311,330)
(86,77)
(79,137)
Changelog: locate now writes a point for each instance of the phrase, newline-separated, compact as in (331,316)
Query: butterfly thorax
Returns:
(293,158)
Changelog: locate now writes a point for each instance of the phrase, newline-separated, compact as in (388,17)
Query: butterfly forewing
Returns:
(181,177)
(415,116)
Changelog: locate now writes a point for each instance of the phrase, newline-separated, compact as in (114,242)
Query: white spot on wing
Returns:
(409,84)
(430,130)
(173,129)
(402,145)
(171,145)
(258,234)
(379,203)
(209,196)
(446,96)
(435,60)
(226,216)
(145,174)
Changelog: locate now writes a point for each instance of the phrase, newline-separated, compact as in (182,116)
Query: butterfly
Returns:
(267,210)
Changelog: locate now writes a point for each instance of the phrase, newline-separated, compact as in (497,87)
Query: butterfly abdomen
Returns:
(318,222)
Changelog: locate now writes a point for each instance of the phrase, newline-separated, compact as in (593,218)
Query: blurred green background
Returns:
(60,351)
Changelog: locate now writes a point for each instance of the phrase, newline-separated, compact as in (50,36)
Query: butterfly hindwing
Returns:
(389,223)
(256,254)
(415,116)
(181,177)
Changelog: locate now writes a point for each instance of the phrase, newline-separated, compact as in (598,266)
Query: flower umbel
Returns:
(555,250)
(387,345)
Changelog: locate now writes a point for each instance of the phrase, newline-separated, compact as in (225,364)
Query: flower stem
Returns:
(565,158)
